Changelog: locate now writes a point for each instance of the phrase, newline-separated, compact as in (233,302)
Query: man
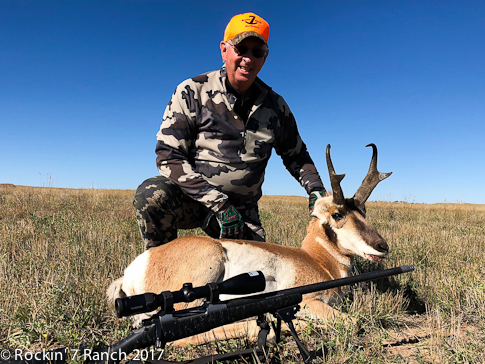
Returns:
(214,143)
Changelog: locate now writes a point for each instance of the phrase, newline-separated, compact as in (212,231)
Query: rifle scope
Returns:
(245,283)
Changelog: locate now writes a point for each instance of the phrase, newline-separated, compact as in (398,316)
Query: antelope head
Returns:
(344,218)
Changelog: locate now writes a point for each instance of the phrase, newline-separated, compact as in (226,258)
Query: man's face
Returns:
(242,69)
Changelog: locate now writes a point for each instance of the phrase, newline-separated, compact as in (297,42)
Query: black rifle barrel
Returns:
(321,286)
(349,280)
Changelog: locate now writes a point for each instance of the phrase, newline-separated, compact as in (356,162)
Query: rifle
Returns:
(169,325)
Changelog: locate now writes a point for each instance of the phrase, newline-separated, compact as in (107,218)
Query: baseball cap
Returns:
(246,25)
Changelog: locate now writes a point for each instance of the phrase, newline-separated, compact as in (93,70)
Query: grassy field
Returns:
(59,250)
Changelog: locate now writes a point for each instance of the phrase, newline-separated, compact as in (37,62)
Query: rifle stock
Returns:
(186,323)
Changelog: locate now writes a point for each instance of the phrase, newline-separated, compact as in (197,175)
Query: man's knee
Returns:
(160,202)
(153,192)
(155,210)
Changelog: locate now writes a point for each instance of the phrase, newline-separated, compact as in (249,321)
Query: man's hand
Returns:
(314,196)
(231,223)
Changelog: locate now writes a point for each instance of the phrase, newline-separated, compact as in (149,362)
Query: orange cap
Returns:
(246,25)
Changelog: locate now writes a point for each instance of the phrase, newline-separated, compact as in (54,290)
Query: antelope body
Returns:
(337,233)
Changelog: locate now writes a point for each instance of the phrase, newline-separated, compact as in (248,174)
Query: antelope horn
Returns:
(370,181)
(338,195)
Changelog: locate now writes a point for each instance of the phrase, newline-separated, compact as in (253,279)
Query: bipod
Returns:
(288,315)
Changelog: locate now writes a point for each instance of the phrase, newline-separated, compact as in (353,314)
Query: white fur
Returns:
(353,242)
(134,277)
(242,258)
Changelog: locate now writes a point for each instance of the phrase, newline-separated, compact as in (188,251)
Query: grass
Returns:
(59,250)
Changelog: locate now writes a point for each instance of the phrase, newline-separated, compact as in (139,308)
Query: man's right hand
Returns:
(231,223)
(314,196)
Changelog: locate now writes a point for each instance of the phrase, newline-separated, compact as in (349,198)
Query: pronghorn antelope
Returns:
(337,233)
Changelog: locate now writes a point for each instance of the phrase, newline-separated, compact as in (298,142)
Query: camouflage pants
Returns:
(162,208)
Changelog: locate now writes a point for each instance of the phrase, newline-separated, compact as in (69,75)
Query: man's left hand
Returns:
(231,223)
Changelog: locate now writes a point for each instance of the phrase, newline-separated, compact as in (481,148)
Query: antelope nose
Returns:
(382,247)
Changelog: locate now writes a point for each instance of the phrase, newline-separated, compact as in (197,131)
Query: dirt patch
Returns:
(420,340)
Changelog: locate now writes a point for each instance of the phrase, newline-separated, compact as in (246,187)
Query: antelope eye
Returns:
(337,217)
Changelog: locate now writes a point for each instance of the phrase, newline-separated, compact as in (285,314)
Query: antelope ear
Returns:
(356,205)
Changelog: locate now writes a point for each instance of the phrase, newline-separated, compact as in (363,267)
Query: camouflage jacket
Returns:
(217,158)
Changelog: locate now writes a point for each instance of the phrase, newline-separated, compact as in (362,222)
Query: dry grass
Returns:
(59,249)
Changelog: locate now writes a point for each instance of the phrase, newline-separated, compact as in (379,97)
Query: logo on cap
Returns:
(252,20)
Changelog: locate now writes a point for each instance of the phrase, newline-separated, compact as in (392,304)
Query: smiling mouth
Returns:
(373,257)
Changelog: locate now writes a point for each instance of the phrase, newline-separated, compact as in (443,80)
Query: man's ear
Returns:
(266,56)
(223,50)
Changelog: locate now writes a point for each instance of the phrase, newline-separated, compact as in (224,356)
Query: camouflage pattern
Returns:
(210,159)
(218,159)
(162,208)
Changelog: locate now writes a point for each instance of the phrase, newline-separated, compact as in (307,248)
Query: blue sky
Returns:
(83,86)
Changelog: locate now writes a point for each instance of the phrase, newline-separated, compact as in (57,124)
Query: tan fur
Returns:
(326,253)
(189,259)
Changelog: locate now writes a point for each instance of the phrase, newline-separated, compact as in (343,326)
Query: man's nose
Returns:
(248,57)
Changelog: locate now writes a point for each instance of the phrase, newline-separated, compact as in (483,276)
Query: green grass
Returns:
(60,249)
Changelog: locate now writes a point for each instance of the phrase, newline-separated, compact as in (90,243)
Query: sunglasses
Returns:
(241,50)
